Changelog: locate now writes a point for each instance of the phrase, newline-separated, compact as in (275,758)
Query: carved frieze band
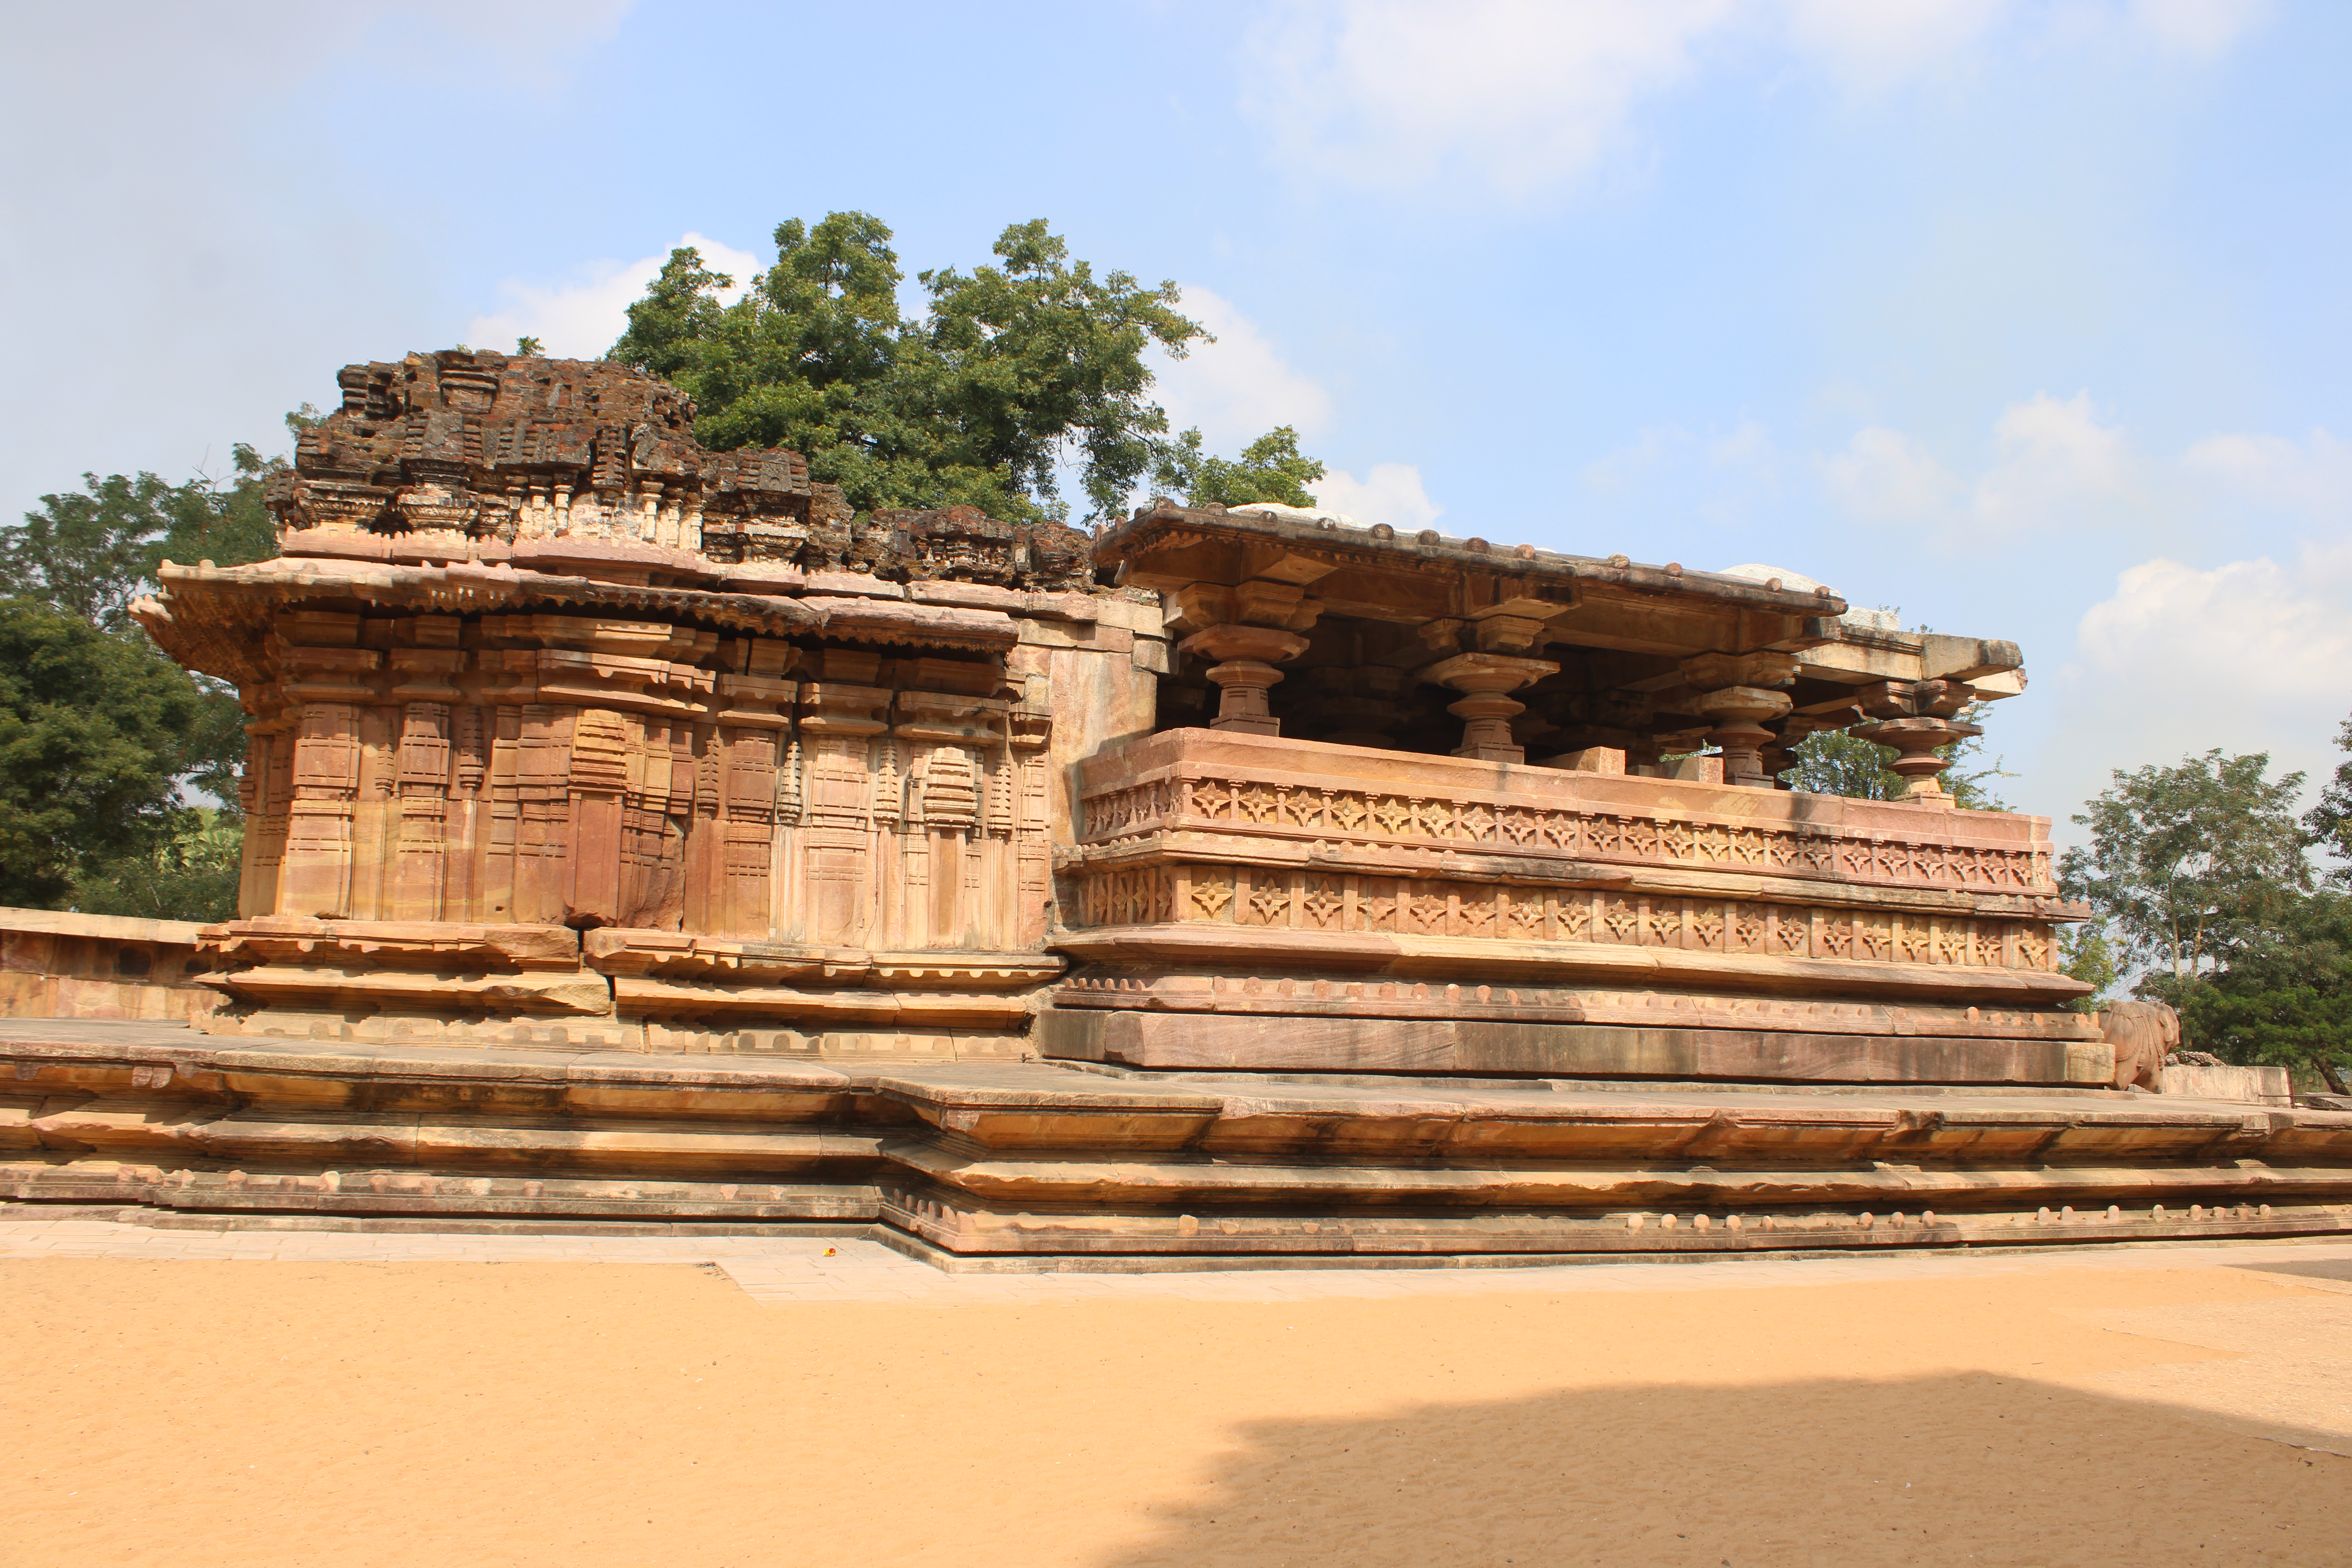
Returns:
(1693,841)
(1306,901)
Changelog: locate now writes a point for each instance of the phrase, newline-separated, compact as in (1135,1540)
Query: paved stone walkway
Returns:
(779,1269)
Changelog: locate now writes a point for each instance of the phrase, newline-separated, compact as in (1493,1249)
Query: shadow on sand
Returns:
(1967,1470)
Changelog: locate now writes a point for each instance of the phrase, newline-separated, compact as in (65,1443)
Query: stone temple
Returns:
(635,834)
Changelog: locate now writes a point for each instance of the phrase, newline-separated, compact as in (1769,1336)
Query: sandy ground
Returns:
(588,1414)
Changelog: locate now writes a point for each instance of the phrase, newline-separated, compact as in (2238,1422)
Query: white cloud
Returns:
(2057,464)
(1239,387)
(2250,655)
(1513,94)
(2054,466)
(2247,631)
(1885,477)
(1630,465)
(1391,493)
(1749,445)
(2200,29)
(580,319)
(1511,97)
(2311,479)
(1873,44)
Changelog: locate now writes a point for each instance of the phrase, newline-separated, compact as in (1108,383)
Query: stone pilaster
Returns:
(736,892)
(950,737)
(839,722)
(331,687)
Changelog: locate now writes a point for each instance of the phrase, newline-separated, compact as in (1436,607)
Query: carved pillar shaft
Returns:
(954,739)
(420,851)
(1737,692)
(1915,717)
(1485,710)
(1246,669)
(332,687)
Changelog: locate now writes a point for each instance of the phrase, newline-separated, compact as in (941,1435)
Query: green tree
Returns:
(89,553)
(2285,999)
(1270,469)
(2086,953)
(116,842)
(2329,823)
(2190,866)
(94,739)
(1011,370)
(190,873)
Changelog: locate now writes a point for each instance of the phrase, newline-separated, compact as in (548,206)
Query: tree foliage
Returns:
(2201,870)
(2285,998)
(1270,469)
(2329,823)
(190,873)
(101,737)
(2192,864)
(1011,370)
(94,735)
(89,552)
(2085,954)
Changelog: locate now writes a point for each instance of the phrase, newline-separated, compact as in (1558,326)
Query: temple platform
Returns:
(1037,1163)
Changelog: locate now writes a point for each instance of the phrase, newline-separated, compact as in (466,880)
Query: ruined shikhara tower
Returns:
(635,831)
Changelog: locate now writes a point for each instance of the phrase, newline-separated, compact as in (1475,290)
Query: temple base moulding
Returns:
(1034,1165)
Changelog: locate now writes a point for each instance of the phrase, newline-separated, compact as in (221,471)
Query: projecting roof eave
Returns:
(1154,531)
(214,619)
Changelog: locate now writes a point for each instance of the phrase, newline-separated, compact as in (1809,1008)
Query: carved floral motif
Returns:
(1417,907)
(1373,817)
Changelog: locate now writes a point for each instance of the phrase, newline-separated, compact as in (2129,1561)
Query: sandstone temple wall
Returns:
(57,965)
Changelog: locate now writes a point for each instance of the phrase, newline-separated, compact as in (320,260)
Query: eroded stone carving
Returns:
(2142,1034)
(458,450)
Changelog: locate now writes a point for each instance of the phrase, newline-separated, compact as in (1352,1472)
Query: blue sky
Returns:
(2028,318)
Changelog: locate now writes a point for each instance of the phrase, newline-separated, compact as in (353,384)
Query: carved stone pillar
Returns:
(1916,719)
(1738,692)
(1032,732)
(1486,711)
(1246,657)
(1248,630)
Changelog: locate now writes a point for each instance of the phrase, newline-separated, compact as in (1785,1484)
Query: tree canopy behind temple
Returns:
(99,731)
(2200,878)
(1270,469)
(1011,370)
(95,731)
